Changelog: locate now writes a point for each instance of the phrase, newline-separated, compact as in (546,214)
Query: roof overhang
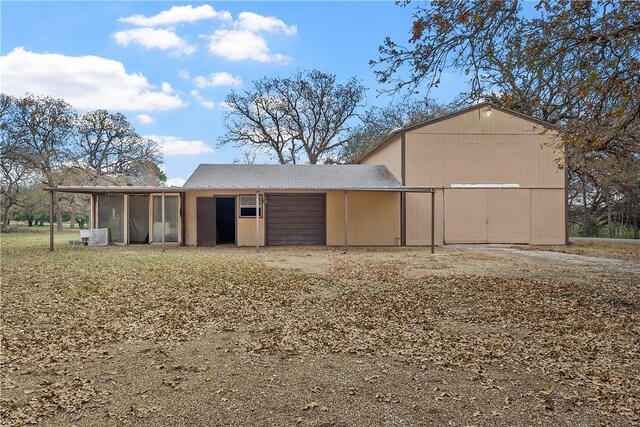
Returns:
(83,189)
(93,189)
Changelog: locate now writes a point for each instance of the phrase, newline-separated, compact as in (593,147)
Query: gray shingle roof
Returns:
(292,177)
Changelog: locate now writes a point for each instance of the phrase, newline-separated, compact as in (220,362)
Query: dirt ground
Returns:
(472,335)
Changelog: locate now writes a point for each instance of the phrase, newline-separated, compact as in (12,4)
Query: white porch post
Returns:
(257,221)
(346,222)
(163,224)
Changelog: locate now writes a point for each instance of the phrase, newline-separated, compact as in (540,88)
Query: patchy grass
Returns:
(127,335)
(620,250)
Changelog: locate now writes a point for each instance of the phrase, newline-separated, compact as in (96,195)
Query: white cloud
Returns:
(240,45)
(86,82)
(176,15)
(246,40)
(154,38)
(144,119)
(176,182)
(202,100)
(175,146)
(249,21)
(166,88)
(218,79)
(184,74)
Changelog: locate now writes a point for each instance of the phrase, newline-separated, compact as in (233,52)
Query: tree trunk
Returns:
(72,217)
(609,222)
(58,213)
(30,222)
(59,223)
(5,215)
(585,211)
(635,218)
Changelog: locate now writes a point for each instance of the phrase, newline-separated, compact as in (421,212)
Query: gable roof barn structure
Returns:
(480,175)
(500,175)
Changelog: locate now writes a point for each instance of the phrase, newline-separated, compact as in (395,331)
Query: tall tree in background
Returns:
(575,63)
(15,173)
(303,118)
(43,139)
(111,150)
(379,122)
(43,127)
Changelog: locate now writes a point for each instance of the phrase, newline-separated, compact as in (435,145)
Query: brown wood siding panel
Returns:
(296,219)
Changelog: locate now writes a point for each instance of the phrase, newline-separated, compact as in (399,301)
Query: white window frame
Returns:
(251,204)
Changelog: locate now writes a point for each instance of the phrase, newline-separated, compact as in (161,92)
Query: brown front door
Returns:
(206,219)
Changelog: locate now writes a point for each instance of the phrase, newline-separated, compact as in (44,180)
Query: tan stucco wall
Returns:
(246,227)
(374,218)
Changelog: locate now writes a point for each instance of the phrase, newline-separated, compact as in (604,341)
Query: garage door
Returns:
(295,219)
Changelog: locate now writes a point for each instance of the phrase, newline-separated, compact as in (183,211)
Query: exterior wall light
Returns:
(488,111)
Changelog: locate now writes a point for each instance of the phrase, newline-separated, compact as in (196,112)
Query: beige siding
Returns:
(508,214)
(245,227)
(547,217)
(419,218)
(462,159)
(477,122)
(466,216)
(390,155)
(374,218)
(487,215)
(473,148)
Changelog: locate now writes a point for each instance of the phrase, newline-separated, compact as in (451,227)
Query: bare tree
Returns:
(14,171)
(43,127)
(379,122)
(110,149)
(300,118)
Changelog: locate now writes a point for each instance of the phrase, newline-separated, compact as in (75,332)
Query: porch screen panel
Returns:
(171,214)
(111,215)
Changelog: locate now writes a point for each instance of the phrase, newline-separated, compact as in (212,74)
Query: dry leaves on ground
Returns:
(64,306)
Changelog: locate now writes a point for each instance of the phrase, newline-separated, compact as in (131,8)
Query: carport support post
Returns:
(346,222)
(51,198)
(433,220)
(257,221)
(163,224)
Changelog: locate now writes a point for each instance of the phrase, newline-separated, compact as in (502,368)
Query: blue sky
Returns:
(169,65)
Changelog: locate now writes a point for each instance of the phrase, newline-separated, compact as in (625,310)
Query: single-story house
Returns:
(480,175)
